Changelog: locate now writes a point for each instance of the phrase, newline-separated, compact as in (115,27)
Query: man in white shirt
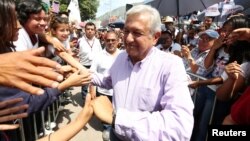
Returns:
(89,47)
(102,64)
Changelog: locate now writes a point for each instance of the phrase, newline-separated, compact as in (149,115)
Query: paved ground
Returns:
(92,131)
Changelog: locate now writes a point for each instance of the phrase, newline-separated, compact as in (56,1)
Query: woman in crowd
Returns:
(216,59)
(11,25)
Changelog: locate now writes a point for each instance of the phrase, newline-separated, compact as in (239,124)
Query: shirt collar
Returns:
(143,61)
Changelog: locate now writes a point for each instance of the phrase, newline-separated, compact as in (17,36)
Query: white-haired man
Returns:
(151,100)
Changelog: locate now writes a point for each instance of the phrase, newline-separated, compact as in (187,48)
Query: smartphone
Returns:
(55,6)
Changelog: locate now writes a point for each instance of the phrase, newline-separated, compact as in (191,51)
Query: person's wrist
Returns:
(190,60)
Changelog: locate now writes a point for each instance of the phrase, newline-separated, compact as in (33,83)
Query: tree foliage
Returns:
(88,8)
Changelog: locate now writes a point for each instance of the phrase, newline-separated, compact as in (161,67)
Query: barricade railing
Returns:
(197,78)
(40,127)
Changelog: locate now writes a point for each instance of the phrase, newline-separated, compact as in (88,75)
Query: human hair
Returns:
(56,20)
(26,8)
(111,32)
(167,32)
(90,24)
(63,13)
(8,25)
(210,17)
(237,22)
(152,15)
(239,51)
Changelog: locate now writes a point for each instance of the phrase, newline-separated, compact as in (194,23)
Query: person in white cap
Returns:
(194,59)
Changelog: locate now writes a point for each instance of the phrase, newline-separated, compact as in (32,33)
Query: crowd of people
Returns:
(136,80)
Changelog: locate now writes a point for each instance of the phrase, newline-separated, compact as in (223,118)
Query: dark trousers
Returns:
(85,87)
(112,135)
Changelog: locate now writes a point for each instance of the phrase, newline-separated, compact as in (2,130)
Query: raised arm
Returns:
(209,60)
(48,39)
(239,34)
(70,60)
(233,84)
(75,79)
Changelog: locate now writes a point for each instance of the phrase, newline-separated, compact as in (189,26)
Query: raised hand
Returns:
(239,34)
(185,51)
(8,113)
(75,79)
(22,69)
(233,70)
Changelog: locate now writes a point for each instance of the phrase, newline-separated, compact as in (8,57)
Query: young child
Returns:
(60,31)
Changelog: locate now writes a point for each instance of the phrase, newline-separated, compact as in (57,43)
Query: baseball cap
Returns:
(211,33)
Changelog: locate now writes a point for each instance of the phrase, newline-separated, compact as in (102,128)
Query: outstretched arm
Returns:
(70,130)
(48,39)
(22,69)
(10,113)
(70,60)
(75,79)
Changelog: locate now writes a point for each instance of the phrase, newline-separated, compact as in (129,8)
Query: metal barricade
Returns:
(197,78)
(47,117)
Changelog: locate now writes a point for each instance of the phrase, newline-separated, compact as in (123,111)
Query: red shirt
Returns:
(240,110)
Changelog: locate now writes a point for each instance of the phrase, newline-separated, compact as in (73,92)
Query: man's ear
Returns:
(157,35)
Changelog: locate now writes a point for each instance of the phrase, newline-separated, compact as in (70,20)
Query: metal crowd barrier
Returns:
(47,117)
(197,78)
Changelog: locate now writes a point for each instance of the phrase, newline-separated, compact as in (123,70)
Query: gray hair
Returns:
(152,15)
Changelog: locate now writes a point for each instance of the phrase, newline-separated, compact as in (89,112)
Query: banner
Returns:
(74,14)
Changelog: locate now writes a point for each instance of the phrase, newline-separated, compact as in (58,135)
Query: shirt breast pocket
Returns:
(146,100)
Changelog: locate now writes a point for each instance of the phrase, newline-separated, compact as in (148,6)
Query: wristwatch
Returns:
(190,60)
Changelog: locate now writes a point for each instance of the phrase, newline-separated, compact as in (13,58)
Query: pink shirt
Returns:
(151,98)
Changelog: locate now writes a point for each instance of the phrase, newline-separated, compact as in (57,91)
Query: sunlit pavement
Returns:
(92,131)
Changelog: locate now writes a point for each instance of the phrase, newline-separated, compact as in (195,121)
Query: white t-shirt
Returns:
(245,73)
(102,64)
(88,50)
(51,49)
(24,42)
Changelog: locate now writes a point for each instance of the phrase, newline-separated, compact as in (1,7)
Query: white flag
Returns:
(74,14)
